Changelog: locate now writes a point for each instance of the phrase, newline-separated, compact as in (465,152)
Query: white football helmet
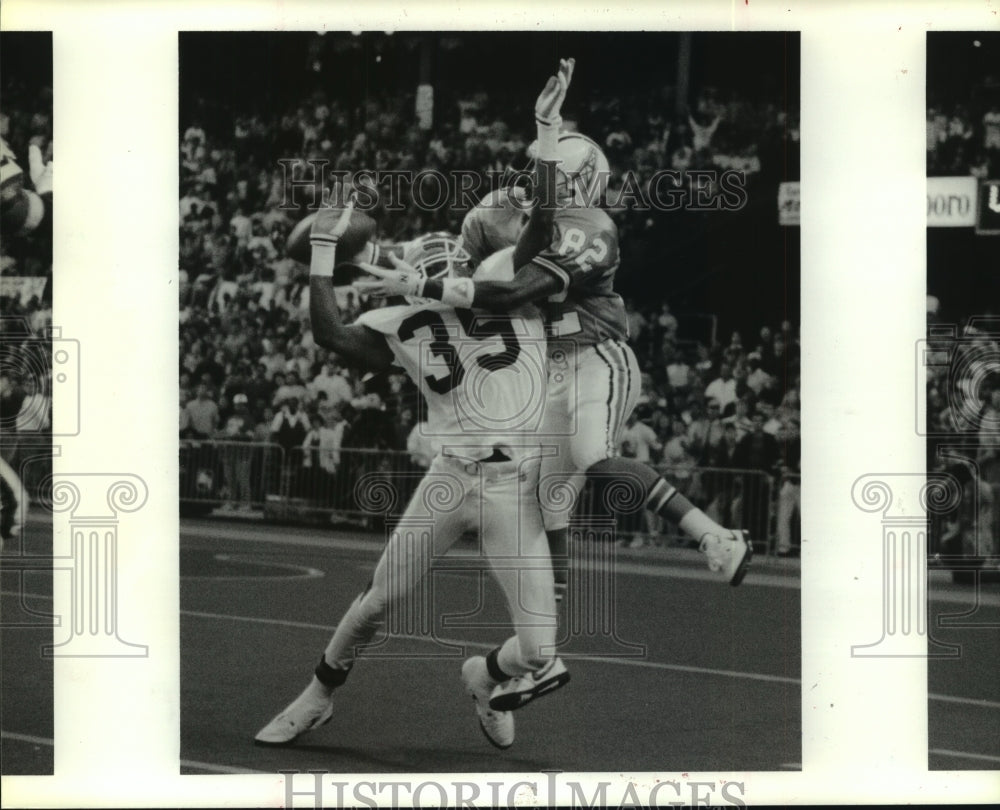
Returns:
(437,255)
(583,169)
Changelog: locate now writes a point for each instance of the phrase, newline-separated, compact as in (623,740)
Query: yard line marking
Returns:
(754,676)
(981,702)
(208,766)
(945,752)
(185,763)
(301,571)
(29,738)
(663,569)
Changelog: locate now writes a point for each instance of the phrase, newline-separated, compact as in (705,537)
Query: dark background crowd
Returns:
(713,321)
(961,355)
(26,257)
(963,104)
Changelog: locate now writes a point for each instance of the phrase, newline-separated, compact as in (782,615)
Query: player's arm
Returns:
(357,345)
(532,284)
(533,281)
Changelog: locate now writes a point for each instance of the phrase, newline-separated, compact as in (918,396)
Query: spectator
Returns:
(740,418)
(320,459)
(790,490)
(679,461)
(642,439)
(723,388)
(288,431)
(236,453)
(758,452)
(757,378)
(290,388)
(715,428)
(333,383)
(678,371)
(203,414)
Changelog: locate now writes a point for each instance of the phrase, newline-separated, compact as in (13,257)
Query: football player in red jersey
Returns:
(594,379)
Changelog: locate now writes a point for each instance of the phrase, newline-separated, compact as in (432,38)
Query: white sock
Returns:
(510,660)
(697,524)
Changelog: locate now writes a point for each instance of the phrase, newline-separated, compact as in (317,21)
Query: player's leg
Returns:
(608,385)
(524,666)
(407,558)
(560,481)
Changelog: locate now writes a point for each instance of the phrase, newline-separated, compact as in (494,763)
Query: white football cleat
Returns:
(728,555)
(306,712)
(498,727)
(523,689)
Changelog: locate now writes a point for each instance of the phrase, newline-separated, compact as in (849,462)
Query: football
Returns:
(359,231)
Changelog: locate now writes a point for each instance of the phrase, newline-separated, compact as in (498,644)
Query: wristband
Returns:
(322,256)
(455,292)
(548,138)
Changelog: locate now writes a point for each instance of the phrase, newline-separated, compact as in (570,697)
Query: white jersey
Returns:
(483,374)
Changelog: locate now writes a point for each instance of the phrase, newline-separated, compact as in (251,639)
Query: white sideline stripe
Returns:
(627,662)
(986,704)
(661,570)
(208,766)
(185,763)
(752,676)
(28,738)
(945,752)
(301,571)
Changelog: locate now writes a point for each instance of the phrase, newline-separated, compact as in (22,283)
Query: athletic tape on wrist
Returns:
(323,256)
(458,292)
(548,138)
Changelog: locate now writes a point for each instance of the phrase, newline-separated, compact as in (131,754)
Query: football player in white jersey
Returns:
(484,379)
(594,378)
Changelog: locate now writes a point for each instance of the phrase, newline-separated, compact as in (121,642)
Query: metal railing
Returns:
(319,486)
(731,497)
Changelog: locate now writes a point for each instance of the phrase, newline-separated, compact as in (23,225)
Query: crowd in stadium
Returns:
(251,371)
(963,339)
(963,426)
(963,107)
(963,139)
(26,266)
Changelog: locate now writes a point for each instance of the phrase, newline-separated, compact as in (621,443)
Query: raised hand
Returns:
(550,100)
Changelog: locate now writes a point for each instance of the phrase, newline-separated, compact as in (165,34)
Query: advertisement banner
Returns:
(951,202)
(988,221)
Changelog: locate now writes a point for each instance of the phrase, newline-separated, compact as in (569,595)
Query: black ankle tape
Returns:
(493,666)
(328,676)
